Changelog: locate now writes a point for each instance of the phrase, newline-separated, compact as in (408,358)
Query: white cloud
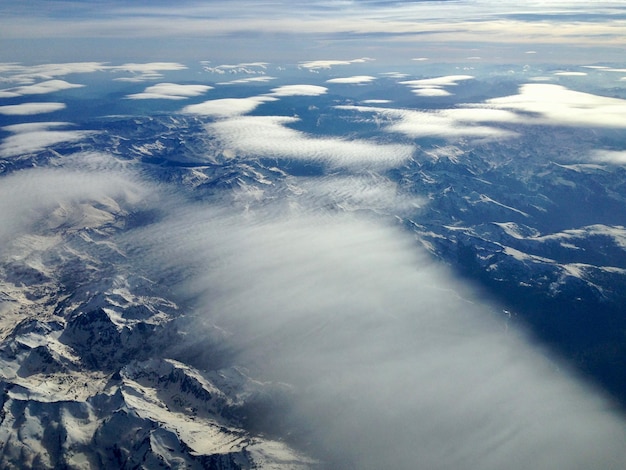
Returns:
(314,65)
(27,74)
(555,104)
(148,67)
(389,359)
(368,193)
(30,73)
(144,77)
(376,101)
(230,107)
(431,91)
(269,136)
(448,80)
(394,74)
(227,107)
(38,198)
(570,74)
(434,86)
(355,79)
(409,22)
(170,91)
(446,123)
(299,90)
(26,109)
(34,137)
(616,157)
(49,86)
(248,68)
(141,72)
(259,79)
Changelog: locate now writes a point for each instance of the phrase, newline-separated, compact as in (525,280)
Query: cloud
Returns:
(231,107)
(148,67)
(248,68)
(448,80)
(299,90)
(170,91)
(355,79)
(615,157)
(245,23)
(570,74)
(30,73)
(430,91)
(269,136)
(141,72)
(394,74)
(227,107)
(358,193)
(34,137)
(434,86)
(445,123)
(315,65)
(36,199)
(49,86)
(260,79)
(557,105)
(376,101)
(387,357)
(25,109)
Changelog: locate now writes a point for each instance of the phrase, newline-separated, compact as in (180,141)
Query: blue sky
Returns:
(499,31)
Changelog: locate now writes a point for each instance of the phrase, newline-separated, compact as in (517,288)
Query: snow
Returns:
(487,199)
(524,257)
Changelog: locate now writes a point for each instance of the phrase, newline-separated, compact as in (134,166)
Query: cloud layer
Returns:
(170,91)
(555,104)
(270,137)
(282,28)
(227,107)
(435,86)
(298,90)
(447,123)
(25,109)
(49,86)
(45,198)
(34,137)
(388,359)
(356,79)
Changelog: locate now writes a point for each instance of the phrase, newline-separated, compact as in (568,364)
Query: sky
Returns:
(243,30)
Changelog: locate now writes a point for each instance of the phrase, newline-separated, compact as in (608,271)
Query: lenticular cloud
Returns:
(269,136)
(227,107)
(33,137)
(555,104)
(26,109)
(170,91)
(299,90)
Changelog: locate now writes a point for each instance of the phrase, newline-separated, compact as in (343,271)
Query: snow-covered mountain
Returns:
(309,284)
(86,381)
